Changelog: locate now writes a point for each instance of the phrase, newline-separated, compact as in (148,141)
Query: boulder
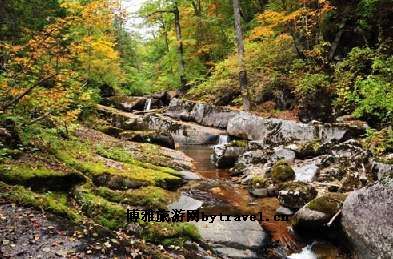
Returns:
(128,103)
(317,213)
(277,131)
(189,176)
(151,136)
(183,132)
(367,219)
(307,170)
(225,155)
(382,170)
(224,238)
(295,195)
(282,172)
(204,114)
(284,211)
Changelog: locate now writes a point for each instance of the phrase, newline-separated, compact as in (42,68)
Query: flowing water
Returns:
(147,105)
(231,199)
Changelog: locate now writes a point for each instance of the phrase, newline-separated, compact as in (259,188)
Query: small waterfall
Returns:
(223,139)
(306,253)
(147,105)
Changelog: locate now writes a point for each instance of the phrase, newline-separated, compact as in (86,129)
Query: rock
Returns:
(277,131)
(295,195)
(155,137)
(382,170)
(284,211)
(306,171)
(122,120)
(252,172)
(189,176)
(367,219)
(225,155)
(260,192)
(317,213)
(5,136)
(282,172)
(204,114)
(128,103)
(284,154)
(224,238)
(186,203)
(183,132)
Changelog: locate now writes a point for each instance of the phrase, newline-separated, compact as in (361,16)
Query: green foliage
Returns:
(379,142)
(311,83)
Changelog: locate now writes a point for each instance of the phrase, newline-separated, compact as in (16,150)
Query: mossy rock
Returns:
(170,233)
(310,149)
(39,178)
(104,212)
(148,197)
(282,172)
(55,202)
(295,195)
(260,182)
(239,143)
(329,203)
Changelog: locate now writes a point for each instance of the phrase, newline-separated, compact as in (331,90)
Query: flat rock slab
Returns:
(185,203)
(189,176)
(233,238)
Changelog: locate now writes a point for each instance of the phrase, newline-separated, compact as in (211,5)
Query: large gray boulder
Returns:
(204,114)
(367,218)
(183,132)
(277,131)
(234,239)
(226,155)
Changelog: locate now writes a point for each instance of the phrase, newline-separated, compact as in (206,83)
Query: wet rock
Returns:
(224,238)
(186,203)
(252,172)
(183,132)
(225,155)
(306,171)
(260,192)
(284,211)
(295,195)
(367,218)
(189,176)
(204,114)
(277,131)
(317,213)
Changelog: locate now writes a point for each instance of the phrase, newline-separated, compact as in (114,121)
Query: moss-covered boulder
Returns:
(40,178)
(282,172)
(315,215)
(295,195)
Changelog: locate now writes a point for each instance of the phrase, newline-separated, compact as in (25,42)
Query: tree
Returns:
(240,51)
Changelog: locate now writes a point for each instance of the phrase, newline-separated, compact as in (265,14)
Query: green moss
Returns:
(310,149)
(282,172)
(239,143)
(170,233)
(329,203)
(260,182)
(38,178)
(106,213)
(56,203)
(148,197)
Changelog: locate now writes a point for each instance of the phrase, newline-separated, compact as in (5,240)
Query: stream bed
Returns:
(220,194)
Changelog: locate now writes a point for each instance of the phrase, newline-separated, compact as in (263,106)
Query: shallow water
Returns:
(232,199)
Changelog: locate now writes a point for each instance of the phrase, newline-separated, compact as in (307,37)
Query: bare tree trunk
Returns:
(179,38)
(240,49)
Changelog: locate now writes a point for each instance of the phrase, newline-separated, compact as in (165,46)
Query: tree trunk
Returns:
(183,81)
(240,49)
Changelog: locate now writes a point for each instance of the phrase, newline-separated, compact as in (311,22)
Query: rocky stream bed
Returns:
(334,195)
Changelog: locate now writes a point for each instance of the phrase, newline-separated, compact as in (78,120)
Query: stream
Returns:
(221,195)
